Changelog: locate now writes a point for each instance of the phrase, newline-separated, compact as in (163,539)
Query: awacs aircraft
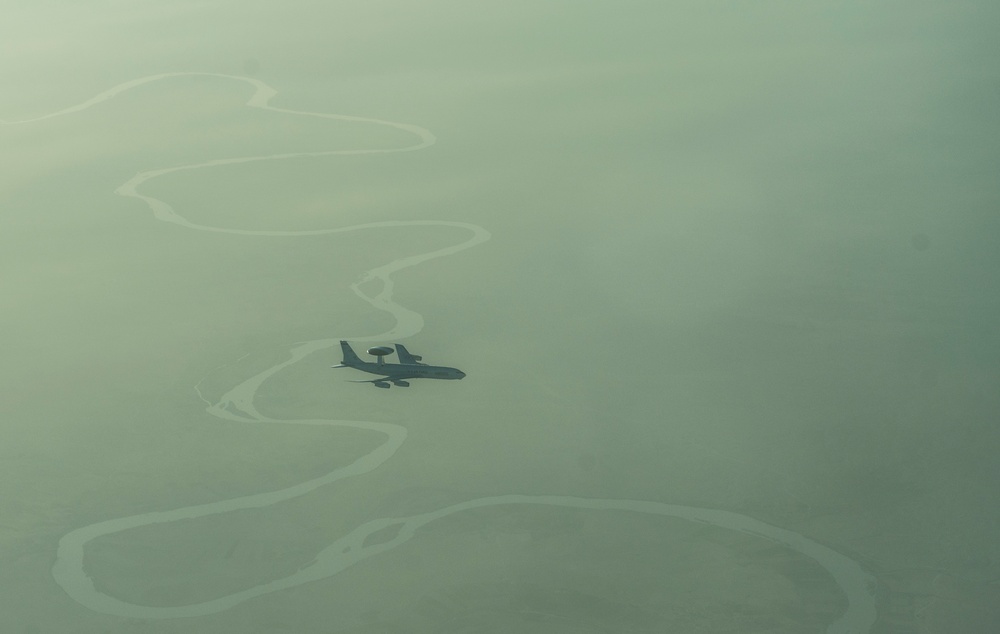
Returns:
(409,366)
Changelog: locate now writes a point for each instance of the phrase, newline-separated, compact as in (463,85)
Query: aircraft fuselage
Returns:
(407,371)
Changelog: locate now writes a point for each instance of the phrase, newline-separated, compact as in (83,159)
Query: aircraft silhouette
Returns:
(409,366)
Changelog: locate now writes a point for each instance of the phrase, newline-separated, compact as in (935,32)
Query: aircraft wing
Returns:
(405,358)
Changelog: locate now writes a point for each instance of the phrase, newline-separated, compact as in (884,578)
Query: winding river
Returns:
(238,405)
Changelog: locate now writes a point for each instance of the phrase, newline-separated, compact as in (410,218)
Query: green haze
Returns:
(723,278)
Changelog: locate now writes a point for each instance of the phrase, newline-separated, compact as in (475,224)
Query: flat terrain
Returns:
(741,262)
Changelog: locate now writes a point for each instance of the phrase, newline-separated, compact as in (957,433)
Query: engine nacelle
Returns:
(382,384)
(401,383)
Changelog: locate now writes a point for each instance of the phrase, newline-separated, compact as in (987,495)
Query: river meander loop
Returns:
(238,405)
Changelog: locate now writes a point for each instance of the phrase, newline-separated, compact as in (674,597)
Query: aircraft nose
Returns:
(461,374)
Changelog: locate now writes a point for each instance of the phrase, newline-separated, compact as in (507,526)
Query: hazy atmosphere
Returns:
(722,278)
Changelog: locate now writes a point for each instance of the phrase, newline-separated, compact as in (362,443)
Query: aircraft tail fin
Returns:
(350,358)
